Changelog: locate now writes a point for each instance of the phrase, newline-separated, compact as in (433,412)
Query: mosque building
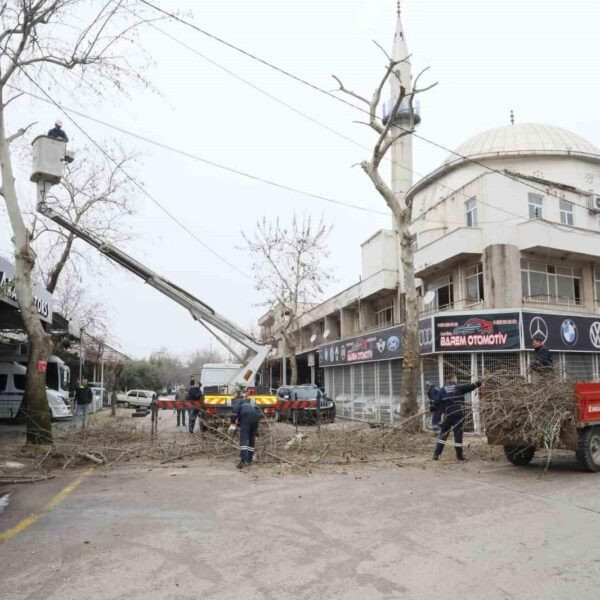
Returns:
(507,234)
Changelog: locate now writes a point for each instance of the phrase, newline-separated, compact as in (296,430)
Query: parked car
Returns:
(299,403)
(136,398)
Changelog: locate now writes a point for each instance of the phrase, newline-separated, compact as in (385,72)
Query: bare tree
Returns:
(288,264)
(74,301)
(95,194)
(400,123)
(49,44)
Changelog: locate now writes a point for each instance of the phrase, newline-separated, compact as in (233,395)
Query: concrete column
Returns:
(346,322)
(502,276)
(333,325)
(367,316)
(283,370)
(587,287)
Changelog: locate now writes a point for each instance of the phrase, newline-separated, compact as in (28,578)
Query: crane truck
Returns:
(49,156)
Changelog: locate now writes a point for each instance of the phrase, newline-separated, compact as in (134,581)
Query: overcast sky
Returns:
(538,57)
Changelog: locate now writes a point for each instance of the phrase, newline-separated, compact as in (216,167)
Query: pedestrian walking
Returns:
(247,416)
(194,393)
(180,395)
(83,398)
(451,400)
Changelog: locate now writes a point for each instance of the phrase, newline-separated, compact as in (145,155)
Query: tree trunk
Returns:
(39,426)
(410,361)
(293,367)
(113,396)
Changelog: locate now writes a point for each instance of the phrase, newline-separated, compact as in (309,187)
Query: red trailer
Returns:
(581,435)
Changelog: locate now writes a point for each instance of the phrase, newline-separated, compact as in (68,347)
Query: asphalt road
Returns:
(474,531)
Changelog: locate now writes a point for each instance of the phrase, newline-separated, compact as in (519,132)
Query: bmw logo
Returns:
(568,332)
(393,343)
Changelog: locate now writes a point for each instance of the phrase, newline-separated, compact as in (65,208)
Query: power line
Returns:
(301,113)
(202,159)
(134,181)
(334,96)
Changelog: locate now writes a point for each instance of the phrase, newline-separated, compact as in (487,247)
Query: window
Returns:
(597,284)
(3,382)
(385,316)
(536,203)
(550,283)
(566,212)
(132,394)
(444,292)
(471,208)
(474,284)
(19,382)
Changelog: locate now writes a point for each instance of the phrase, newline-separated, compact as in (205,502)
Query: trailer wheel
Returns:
(588,449)
(519,455)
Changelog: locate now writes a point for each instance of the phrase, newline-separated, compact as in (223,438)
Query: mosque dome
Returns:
(524,139)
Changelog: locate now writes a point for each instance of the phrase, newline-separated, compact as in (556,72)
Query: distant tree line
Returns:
(163,369)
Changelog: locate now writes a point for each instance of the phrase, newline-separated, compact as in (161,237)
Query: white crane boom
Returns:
(256,351)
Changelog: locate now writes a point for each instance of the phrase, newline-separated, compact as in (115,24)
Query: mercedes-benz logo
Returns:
(538,327)
(595,334)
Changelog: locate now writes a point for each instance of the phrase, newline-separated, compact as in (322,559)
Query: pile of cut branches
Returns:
(530,413)
(121,440)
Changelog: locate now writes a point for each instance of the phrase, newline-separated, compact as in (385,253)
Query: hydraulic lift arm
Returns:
(201,312)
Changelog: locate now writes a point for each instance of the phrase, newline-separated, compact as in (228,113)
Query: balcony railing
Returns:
(545,299)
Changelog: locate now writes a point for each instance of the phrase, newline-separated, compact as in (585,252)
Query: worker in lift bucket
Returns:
(57,132)
(247,416)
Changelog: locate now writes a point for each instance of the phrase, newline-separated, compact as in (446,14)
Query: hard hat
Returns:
(58,123)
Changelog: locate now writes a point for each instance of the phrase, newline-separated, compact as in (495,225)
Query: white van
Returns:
(12,387)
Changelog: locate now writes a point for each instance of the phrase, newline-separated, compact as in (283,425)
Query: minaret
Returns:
(402,151)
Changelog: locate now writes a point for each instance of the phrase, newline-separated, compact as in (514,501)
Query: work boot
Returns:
(242,465)
(435,457)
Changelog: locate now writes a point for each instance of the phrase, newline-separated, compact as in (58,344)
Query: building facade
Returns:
(507,236)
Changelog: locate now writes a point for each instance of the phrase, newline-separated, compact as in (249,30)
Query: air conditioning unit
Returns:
(594,203)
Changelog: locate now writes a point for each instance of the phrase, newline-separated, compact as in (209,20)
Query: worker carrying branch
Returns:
(57,132)
(451,399)
(247,416)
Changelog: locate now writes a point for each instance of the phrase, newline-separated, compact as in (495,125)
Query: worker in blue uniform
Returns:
(57,132)
(451,400)
(247,416)
(543,358)
(194,393)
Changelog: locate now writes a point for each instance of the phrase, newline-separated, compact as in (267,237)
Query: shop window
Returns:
(474,284)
